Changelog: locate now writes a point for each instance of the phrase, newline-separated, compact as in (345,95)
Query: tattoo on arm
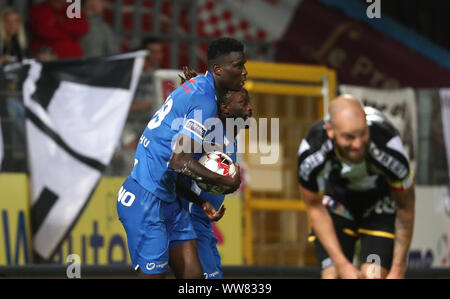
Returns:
(404,223)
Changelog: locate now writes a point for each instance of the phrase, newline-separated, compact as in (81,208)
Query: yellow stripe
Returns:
(350,232)
(287,72)
(345,230)
(396,184)
(399,184)
(276,204)
(284,89)
(376,233)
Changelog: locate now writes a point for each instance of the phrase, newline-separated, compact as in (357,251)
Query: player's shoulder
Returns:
(314,151)
(386,147)
(195,94)
(200,90)
(316,137)
(381,129)
(199,86)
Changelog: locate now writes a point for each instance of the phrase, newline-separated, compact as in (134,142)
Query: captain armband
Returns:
(406,183)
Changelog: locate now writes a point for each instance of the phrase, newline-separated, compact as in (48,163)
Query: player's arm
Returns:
(403,194)
(324,229)
(404,223)
(185,192)
(183,162)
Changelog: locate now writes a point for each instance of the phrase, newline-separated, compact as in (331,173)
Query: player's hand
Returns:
(212,214)
(348,271)
(394,276)
(396,273)
(236,180)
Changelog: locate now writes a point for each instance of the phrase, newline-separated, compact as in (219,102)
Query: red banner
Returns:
(360,54)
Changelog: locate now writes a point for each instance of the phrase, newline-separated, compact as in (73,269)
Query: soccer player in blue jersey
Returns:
(203,207)
(159,230)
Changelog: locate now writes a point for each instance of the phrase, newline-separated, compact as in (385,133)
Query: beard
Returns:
(353,156)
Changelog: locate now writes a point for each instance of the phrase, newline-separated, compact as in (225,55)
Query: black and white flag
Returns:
(75,113)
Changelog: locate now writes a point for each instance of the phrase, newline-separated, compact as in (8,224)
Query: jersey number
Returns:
(126,198)
(160,114)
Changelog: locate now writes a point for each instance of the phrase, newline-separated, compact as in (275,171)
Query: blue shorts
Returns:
(152,226)
(207,249)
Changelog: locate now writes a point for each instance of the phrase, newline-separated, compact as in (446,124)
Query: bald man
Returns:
(357,184)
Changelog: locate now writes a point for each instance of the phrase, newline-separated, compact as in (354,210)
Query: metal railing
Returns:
(183,38)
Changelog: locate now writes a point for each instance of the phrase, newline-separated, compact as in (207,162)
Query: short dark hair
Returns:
(223,46)
(225,100)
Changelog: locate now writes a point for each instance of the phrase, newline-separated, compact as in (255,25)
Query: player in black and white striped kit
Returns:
(357,183)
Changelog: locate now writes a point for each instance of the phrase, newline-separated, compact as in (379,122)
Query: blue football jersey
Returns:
(230,148)
(188,110)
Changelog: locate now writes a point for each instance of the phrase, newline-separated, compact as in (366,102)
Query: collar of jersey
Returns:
(210,79)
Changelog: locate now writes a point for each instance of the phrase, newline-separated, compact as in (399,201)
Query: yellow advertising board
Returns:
(98,237)
(15,240)
(229,232)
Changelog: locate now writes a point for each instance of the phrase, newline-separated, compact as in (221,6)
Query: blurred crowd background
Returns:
(176,33)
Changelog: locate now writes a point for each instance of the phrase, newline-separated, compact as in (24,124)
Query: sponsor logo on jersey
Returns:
(388,161)
(196,128)
(151,266)
(383,206)
(211,275)
(314,160)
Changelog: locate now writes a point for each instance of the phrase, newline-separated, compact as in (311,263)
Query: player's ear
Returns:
(329,129)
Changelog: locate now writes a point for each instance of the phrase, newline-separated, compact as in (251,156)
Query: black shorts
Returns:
(376,231)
